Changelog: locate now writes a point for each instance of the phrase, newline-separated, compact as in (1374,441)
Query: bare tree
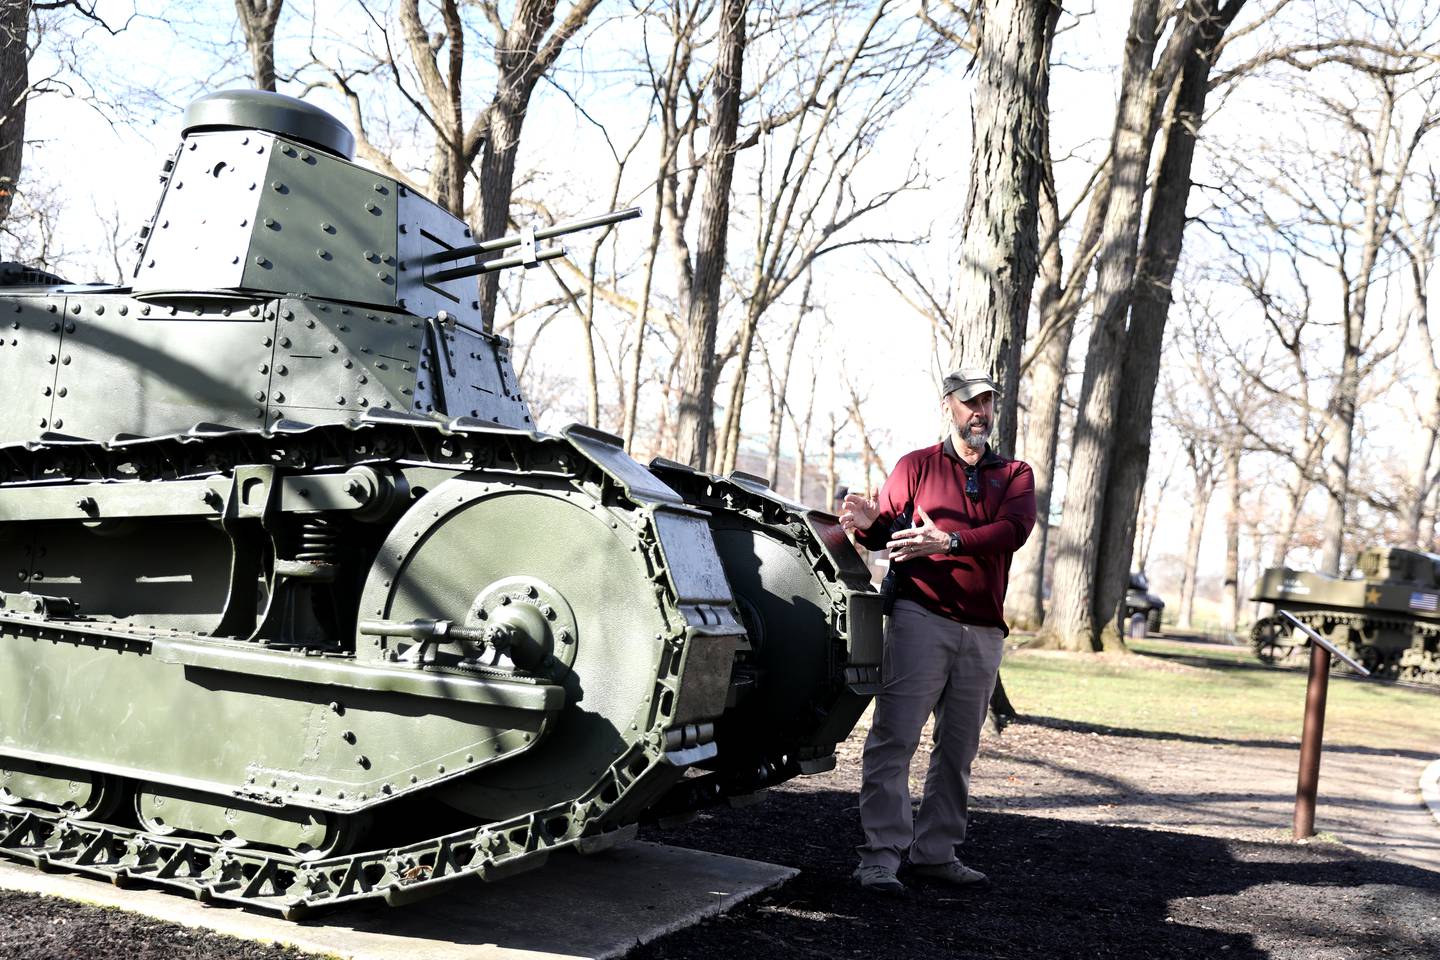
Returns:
(1150,307)
(801,427)
(697,348)
(1058,301)
(1149,521)
(808,196)
(258,19)
(870,456)
(14,95)
(484,145)
(1418,238)
(1331,200)
(1203,459)
(779,384)
(998,256)
(1230,602)
(62,27)
(837,425)
(1072,620)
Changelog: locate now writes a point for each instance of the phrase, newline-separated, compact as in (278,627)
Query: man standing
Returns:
(969,509)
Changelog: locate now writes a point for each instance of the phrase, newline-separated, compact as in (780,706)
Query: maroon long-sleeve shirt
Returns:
(968,587)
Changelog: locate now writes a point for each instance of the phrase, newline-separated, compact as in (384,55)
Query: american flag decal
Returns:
(1424,601)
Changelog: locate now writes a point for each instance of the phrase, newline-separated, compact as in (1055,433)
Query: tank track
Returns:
(1418,663)
(291,885)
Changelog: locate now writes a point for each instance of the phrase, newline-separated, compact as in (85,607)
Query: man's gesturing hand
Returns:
(920,540)
(858,512)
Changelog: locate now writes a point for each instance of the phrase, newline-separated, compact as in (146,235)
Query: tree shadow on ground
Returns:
(1207,663)
(1080,726)
(1058,889)
(1296,665)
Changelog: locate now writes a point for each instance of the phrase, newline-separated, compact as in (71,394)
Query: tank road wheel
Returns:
(79,794)
(552,586)
(1372,659)
(307,834)
(1269,638)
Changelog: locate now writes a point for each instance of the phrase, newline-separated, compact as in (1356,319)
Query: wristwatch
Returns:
(954,546)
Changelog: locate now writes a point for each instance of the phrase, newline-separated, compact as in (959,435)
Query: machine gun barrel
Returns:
(540,233)
(503,263)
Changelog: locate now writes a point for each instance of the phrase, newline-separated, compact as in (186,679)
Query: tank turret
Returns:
(262,197)
(323,288)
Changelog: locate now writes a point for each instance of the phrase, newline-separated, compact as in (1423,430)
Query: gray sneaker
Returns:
(876,879)
(953,872)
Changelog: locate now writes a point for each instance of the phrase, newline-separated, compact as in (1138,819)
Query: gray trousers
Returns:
(927,657)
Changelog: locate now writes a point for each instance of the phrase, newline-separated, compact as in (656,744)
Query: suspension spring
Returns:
(319,541)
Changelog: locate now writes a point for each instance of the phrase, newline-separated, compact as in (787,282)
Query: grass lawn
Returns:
(1170,687)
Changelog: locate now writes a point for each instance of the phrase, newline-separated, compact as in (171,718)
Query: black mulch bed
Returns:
(46,928)
(1058,889)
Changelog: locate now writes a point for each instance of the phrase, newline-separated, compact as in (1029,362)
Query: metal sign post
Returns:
(1314,729)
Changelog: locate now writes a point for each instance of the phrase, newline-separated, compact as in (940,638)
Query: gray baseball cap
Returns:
(968,383)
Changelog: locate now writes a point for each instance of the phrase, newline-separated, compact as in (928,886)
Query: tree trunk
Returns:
(14,95)
(258,19)
(830,467)
(697,347)
(1230,606)
(521,59)
(1425,450)
(998,257)
(642,323)
(1432,516)
(1355,298)
(728,440)
(1198,510)
(1337,470)
(777,394)
(1024,601)
(1002,711)
(497,179)
(1149,309)
(1072,622)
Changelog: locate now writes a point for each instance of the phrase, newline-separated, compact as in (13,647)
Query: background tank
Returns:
(1385,615)
(297,578)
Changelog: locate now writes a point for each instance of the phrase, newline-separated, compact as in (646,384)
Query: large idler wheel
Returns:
(552,585)
(1268,640)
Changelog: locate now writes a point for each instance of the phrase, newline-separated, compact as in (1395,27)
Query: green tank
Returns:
(1384,615)
(304,609)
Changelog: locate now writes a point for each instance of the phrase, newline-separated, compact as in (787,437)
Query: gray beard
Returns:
(975,441)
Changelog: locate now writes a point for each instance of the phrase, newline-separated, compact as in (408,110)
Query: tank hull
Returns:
(295,577)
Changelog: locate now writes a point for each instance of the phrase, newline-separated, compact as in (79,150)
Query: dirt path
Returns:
(1369,798)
